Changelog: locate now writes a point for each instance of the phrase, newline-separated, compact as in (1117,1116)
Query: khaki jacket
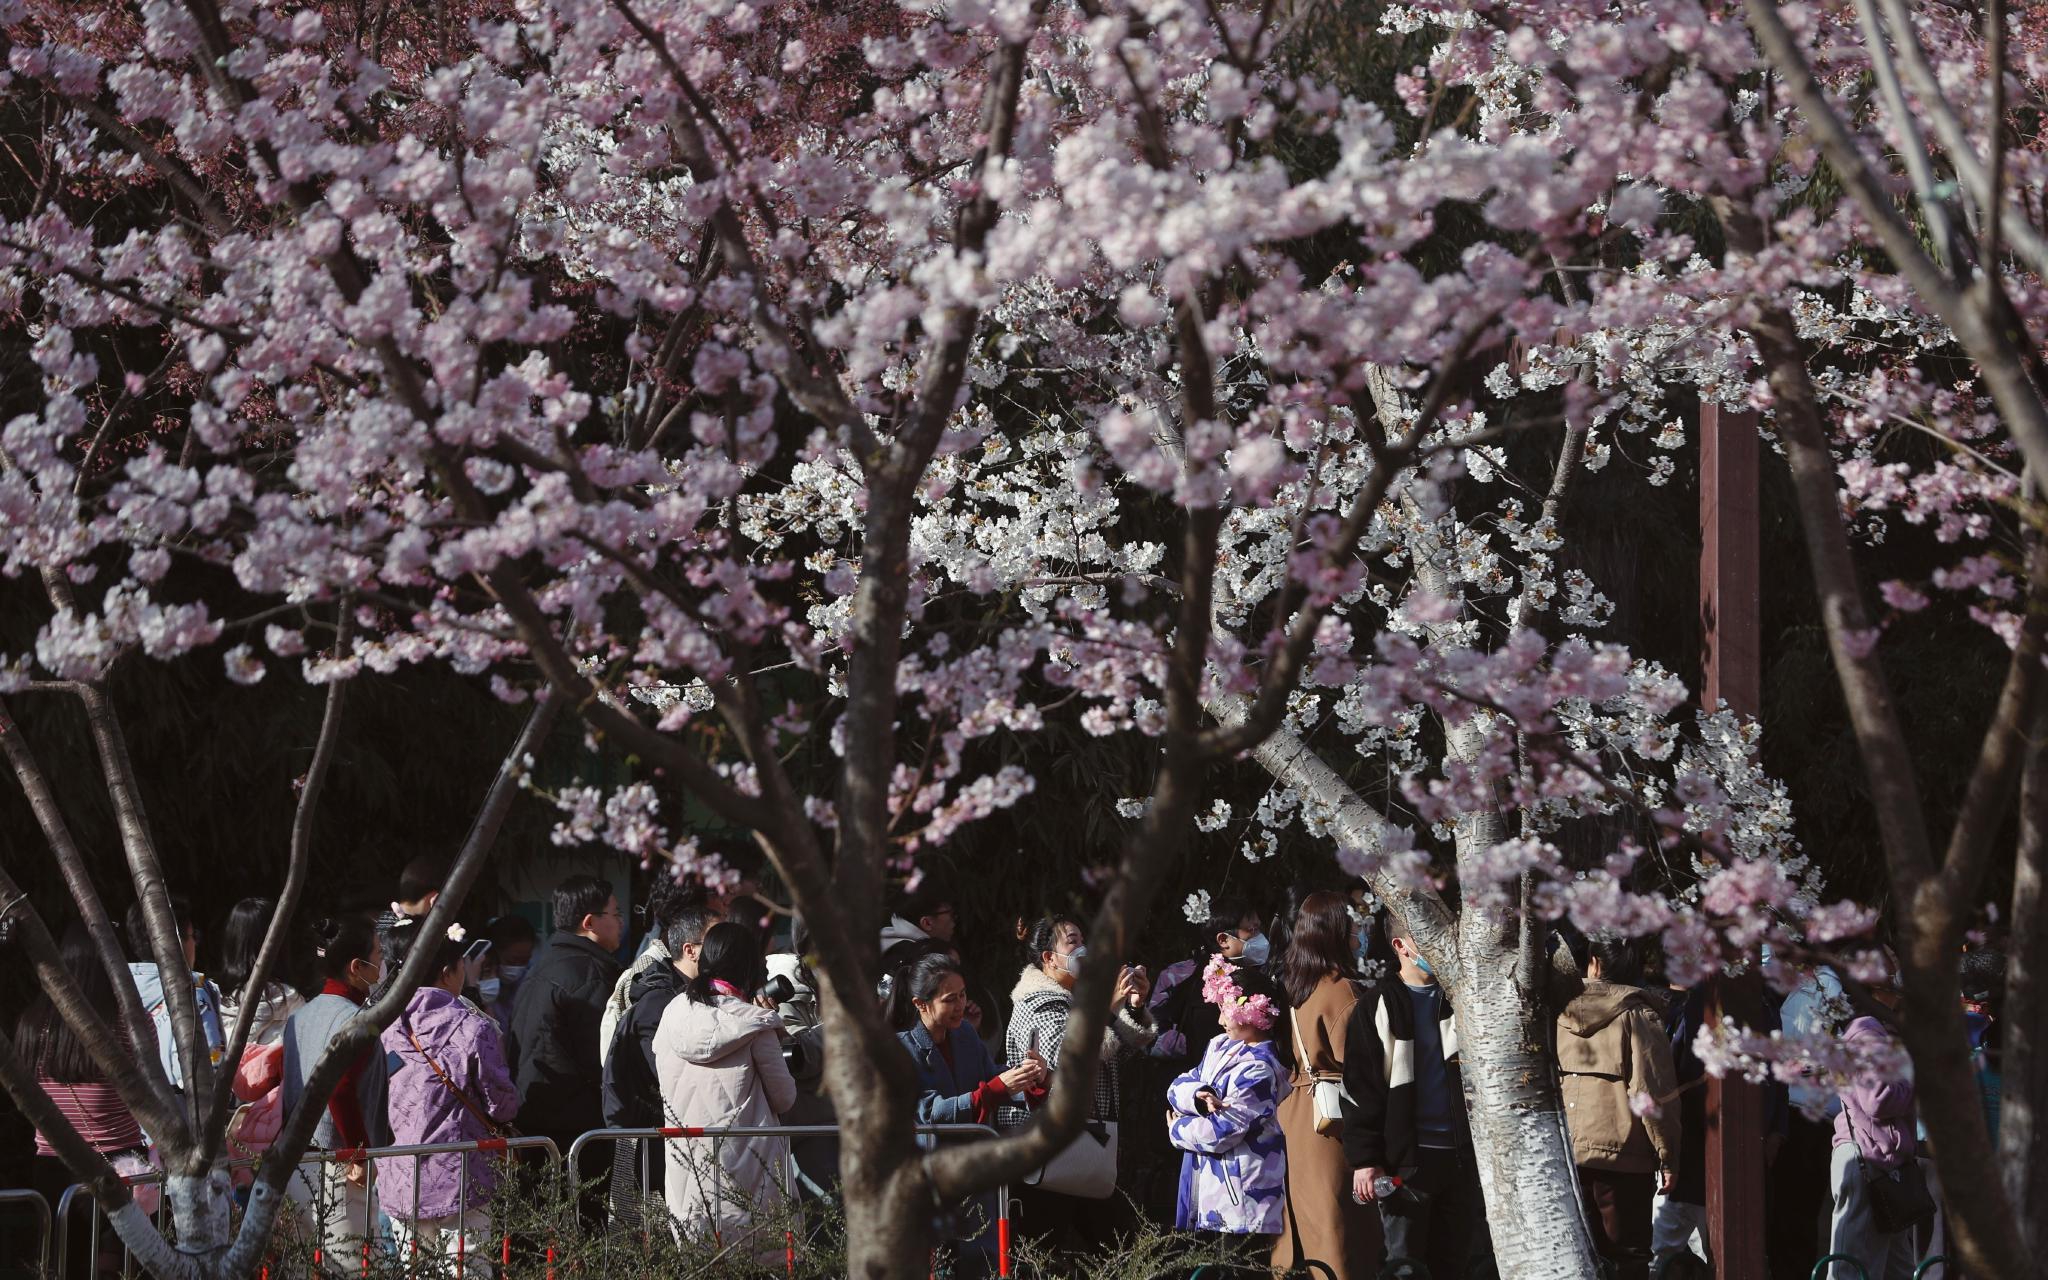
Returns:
(1611,1043)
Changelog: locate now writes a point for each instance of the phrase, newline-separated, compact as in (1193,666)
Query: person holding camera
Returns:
(718,1052)
(632,1084)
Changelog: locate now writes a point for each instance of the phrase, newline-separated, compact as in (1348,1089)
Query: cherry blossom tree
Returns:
(873,382)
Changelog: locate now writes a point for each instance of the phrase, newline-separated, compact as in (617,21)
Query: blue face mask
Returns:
(1256,950)
(1423,965)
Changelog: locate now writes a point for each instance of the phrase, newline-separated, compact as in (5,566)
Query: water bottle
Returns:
(1383,1188)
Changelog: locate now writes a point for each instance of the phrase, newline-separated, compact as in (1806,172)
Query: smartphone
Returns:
(477,949)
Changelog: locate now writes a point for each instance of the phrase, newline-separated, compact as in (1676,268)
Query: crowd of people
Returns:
(1317,1107)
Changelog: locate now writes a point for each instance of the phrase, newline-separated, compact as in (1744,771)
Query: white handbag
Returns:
(1086,1168)
(1328,1095)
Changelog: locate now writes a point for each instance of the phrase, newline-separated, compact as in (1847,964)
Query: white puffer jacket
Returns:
(721,1064)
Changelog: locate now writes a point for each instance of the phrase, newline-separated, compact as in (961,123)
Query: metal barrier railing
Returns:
(372,1158)
(718,1134)
(62,1228)
(1821,1268)
(36,1205)
(501,1147)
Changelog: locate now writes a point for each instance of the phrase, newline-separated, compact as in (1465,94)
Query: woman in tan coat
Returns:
(1316,970)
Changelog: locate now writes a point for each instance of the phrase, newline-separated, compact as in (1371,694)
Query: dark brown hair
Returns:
(1319,944)
(53,1049)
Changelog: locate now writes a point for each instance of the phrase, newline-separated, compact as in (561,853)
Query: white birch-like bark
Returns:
(1511,1093)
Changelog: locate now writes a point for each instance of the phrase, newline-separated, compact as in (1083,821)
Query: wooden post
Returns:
(1731,629)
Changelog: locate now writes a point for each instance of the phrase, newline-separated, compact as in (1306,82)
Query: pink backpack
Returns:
(259,1083)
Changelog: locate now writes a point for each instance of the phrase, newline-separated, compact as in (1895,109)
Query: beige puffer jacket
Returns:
(1611,1044)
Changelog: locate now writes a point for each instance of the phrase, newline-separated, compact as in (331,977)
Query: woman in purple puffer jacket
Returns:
(448,1074)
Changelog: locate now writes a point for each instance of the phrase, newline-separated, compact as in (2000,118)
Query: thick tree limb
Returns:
(166,940)
(2023,1112)
(2027,239)
(359,1034)
(92,911)
(214,1131)
(1919,164)
(1929,924)
(2004,749)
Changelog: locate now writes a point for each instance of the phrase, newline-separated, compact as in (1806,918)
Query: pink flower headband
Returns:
(1233,1004)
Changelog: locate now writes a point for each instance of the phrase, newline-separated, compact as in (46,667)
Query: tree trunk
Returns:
(1511,1094)
(888,1233)
(2023,1110)
(199,1206)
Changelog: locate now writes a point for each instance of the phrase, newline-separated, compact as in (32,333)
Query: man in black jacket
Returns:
(632,1085)
(1404,1117)
(552,1042)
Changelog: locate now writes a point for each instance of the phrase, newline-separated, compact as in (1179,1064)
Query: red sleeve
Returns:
(986,1097)
(345,1107)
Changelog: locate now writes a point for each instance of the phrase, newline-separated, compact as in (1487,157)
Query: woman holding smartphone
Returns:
(1044,999)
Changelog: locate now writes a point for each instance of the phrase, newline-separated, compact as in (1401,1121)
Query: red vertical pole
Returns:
(1731,625)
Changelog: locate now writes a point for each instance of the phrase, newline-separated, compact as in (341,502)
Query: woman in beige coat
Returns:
(1334,1229)
(719,1058)
(1618,1080)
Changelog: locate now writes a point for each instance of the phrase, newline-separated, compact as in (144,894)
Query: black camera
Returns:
(779,989)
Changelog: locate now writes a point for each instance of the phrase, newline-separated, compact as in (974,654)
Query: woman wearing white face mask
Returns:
(1044,999)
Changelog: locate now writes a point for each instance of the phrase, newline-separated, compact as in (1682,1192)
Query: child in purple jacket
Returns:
(449,1083)
(1225,1115)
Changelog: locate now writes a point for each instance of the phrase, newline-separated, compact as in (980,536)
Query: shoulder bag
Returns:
(483,1117)
(1329,1096)
(1086,1167)
(1901,1203)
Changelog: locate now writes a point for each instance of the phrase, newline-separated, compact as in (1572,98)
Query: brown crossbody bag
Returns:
(493,1127)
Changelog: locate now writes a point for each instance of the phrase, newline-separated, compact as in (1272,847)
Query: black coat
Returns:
(632,1088)
(552,1042)
(1379,1113)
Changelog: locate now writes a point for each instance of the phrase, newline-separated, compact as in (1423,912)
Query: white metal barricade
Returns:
(62,1230)
(718,1134)
(503,1147)
(39,1208)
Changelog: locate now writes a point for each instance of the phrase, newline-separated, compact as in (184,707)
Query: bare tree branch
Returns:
(214,1131)
(2027,239)
(91,907)
(1970,316)
(359,1034)
(1919,165)
(1994,199)
(2004,749)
